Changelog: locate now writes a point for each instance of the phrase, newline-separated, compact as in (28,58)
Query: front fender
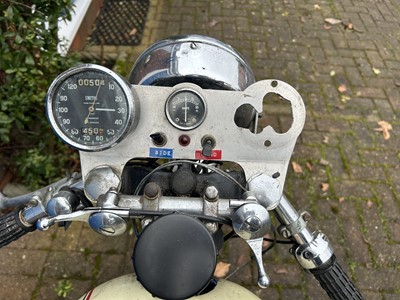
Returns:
(127,287)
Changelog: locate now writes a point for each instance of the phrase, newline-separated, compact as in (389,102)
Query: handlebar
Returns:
(12,227)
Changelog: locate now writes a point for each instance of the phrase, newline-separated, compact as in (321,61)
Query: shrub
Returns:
(29,61)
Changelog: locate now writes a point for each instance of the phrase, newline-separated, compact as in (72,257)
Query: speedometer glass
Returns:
(90,107)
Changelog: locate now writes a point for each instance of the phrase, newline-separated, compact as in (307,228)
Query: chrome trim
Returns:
(132,103)
(202,60)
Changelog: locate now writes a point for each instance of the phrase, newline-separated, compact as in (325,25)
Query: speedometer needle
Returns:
(91,108)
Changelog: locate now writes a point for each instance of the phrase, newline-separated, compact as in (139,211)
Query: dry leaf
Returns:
(333,21)
(297,168)
(324,186)
(332,73)
(342,88)
(310,165)
(133,32)
(365,240)
(327,27)
(280,270)
(317,7)
(325,140)
(212,23)
(323,162)
(384,127)
(370,203)
(348,26)
(344,98)
(285,14)
(341,199)
(376,71)
(222,269)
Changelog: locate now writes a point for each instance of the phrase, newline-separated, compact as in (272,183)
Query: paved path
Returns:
(349,77)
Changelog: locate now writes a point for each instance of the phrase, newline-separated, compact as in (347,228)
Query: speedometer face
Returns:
(90,107)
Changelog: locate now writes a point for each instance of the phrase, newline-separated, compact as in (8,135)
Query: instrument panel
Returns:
(111,122)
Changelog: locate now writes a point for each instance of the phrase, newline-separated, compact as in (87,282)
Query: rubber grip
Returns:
(11,228)
(335,281)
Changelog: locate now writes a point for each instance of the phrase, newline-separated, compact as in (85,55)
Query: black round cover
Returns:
(174,257)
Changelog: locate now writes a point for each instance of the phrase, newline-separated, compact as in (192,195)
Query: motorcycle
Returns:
(178,151)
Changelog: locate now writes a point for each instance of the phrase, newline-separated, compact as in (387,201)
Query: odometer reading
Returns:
(90,107)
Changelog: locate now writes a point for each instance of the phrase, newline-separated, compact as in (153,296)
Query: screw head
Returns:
(211,193)
(252,224)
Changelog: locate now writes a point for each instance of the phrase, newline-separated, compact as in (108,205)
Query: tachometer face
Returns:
(185,109)
(90,107)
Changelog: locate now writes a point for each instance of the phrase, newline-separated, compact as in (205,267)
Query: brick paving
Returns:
(349,77)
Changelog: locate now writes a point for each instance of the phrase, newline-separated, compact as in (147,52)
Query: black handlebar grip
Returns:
(12,228)
(335,281)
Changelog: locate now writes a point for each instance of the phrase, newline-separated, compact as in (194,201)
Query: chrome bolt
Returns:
(306,216)
(252,224)
(193,45)
(211,193)
(285,233)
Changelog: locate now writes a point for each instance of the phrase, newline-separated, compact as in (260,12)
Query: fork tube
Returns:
(290,218)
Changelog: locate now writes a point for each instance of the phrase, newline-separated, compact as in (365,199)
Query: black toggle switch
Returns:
(207,148)
(158,138)
(208,143)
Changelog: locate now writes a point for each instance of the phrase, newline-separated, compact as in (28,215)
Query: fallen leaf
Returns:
(384,127)
(133,32)
(325,140)
(370,203)
(310,165)
(376,71)
(344,98)
(323,162)
(332,73)
(212,23)
(342,88)
(297,168)
(348,26)
(397,83)
(333,21)
(365,240)
(280,270)
(285,14)
(324,186)
(341,199)
(222,269)
(327,27)
(317,7)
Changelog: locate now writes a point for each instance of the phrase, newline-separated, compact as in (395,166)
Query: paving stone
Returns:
(17,287)
(378,279)
(22,261)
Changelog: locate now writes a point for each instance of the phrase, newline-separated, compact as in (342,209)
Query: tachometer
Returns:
(185,109)
(90,107)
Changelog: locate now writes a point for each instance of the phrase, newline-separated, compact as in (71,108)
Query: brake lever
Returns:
(251,222)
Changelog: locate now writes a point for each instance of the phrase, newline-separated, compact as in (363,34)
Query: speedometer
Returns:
(90,107)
